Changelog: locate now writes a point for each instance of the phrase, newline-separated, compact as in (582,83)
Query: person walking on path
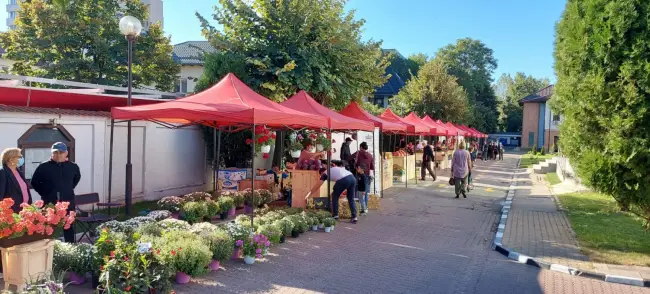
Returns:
(500,151)
(345,153)
(55,181)
(345,181)
(460,169)
(472,154)
(364,166)
(427,158)
(484,154)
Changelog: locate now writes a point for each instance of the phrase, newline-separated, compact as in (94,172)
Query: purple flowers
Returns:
(239,243)
(258,251)
(267,244)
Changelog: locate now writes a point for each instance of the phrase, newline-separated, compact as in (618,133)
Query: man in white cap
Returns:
(55,181)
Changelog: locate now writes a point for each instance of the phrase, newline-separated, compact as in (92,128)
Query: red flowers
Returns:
(249,141)
(173,252)
(273,135)
(33,219)
(127,288)
(265,155)
(112,254)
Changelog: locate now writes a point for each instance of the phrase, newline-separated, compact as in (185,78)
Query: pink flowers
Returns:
(33,219)
(239,243)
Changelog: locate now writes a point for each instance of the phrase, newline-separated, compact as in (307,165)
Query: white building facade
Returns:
(155,12)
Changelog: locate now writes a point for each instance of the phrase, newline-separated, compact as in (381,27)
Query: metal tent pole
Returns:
(329,166)
(381,162)
(218,160)
(253,173)
(110,165)
(406,162)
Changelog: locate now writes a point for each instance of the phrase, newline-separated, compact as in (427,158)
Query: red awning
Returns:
(51,98)
(335,121)
(457,131)
(482,135)
(471,133)
(462,131)
(442,130)
(417,122)
(354,110)
(229,102)
(390,116)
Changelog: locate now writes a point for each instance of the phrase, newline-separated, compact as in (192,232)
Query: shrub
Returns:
(285,225)
(194,211)
(273,216)
(239,199)
(82,261)
(220,243)
(63,256)
(119,227)
(272,231)
(138,221)
(237,232)
(172,224)
(322,215)
(197,197)
(226,203)
(186,252)
(159,215)
(151,229)
(328,222)
(171,203)
(299,224)
(293,210)
(212,208)
(266,197)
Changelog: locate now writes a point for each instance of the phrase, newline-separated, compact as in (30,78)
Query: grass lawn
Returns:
(528,159)
(605,234)
(552,178)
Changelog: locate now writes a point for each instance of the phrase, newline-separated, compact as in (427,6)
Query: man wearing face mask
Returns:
(55,181)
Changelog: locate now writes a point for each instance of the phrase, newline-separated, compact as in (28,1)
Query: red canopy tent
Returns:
(229,102)
(457,131)
(481,134)
(390,116)
(354,110)
(413,118)
(335,121)
(467,130)
(441,130)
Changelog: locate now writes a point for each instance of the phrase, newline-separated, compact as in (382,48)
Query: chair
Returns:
(88,220)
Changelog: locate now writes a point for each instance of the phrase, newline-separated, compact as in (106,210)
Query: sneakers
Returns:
(464,196)
(363,211)
(354,220)
(336,217)
(457,196)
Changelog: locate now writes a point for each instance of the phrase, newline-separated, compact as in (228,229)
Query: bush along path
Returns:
(525,228)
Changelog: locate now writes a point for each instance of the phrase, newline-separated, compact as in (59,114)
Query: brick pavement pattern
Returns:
(421,241)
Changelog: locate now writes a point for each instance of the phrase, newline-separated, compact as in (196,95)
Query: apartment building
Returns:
(540,127)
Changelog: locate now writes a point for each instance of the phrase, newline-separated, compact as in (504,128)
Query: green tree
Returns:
(313,45)
(416,61)
(473,63)
(602,59)
(79,40)
(510,91)
(434,92)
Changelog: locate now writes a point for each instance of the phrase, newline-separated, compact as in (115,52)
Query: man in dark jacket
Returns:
(366,162)
(427,158)
(345,153)
(55,181)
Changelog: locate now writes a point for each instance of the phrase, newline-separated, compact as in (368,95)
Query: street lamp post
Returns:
(130,27)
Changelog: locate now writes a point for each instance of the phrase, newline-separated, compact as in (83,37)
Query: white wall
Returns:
(190,73)
(165,162)
(361,137)
(554,126)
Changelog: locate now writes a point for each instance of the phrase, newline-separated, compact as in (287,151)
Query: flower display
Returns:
(33,219)
(171,203)
(159,215)
(263,137)
(255,245)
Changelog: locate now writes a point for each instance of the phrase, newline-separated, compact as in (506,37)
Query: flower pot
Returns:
(248,209)
(236,254)
(176,215)
(319,148)
(265,149)
(282,239)
(320,226)
(332,229)
(328,229)
(265,251)
(314,228)
(214,265)
(182,278)
(24,261)
(294,234)
(76,279)
(249,259)
(295,153)
(231,211)
(224,215)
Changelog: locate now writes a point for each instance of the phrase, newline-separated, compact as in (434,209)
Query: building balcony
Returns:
(12,7)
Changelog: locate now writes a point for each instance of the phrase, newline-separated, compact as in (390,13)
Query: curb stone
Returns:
(524,259)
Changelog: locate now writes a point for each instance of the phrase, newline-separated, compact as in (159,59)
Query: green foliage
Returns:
(194,211)
(434,92)
(328,222)
(602,61)
(151,229)
(220,243)
(299,223)
(226,203)
(473,63)
(285,225)
(172,224)
(213,209)
(81,41)
(372,108)
(315,46)
(272,231)
(185,252)
(511,90)
(217,65)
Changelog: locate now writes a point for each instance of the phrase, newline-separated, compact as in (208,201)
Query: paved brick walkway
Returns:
(422,241)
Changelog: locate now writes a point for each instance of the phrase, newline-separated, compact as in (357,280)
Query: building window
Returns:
(181,86)
(12,27)
(37,143)
(556,117)
(12,14)
(12,1)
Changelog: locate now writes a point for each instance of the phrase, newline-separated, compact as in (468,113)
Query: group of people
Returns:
(493,150)
(353,175)
(54,180)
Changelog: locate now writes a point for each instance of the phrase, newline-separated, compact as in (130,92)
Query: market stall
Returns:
(303,181)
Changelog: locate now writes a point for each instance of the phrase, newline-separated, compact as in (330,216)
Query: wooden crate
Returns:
(302,181)
(402,162)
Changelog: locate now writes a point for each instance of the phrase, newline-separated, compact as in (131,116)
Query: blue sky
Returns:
(521,32)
